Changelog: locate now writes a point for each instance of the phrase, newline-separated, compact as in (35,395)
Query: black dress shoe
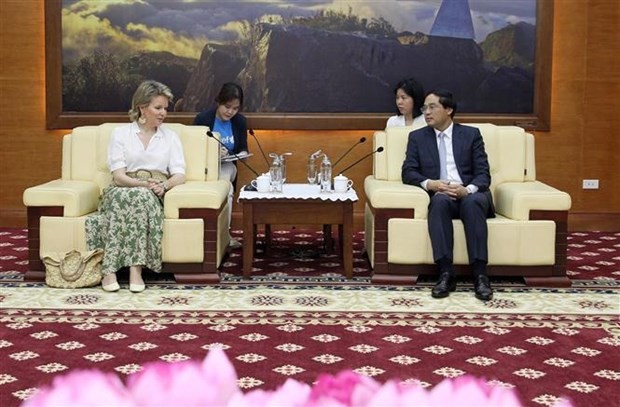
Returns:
(482,288)
(446,283)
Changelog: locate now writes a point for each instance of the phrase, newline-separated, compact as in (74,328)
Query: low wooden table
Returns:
(298,204)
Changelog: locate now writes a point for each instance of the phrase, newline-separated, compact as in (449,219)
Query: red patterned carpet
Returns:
(548,343)
(298,255)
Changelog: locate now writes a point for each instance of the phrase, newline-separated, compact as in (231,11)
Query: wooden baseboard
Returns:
(13,218)
(577,222)
(590,222)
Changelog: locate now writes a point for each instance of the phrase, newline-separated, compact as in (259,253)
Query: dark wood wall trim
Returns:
(591,222)
(577,221)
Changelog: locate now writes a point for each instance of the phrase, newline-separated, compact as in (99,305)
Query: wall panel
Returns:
(582,143)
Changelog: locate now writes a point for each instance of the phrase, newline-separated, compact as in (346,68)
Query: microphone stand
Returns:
(251,131)
(378,150)
(363,139)
(248,187)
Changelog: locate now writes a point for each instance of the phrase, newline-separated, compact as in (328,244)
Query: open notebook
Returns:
(229,158)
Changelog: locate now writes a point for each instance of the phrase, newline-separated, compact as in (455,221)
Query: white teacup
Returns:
(342,183)
(261,183)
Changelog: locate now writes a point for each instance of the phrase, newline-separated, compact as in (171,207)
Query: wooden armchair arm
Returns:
(77,197)
(195,195)
(396,195)
(515,200)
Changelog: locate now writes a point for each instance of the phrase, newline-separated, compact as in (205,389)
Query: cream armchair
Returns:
(195,214)
(526,238)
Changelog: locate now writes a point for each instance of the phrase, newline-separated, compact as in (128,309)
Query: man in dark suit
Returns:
(448,160)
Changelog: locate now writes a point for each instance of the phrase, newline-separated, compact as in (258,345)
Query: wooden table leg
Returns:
(347,240)
(267,239)
(328,243)
(248,239)
(254,233)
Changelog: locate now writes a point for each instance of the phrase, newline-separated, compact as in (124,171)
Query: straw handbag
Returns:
(73,269)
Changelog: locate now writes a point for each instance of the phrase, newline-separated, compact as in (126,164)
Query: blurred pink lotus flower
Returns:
(189,383)
(83,388)
(214,383)
(347,388)
(291,394)
(470,391)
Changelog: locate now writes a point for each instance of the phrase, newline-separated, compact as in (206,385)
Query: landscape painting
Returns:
(316,60)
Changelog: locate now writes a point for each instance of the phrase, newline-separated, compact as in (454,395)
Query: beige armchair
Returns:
(195,234)
(527,237)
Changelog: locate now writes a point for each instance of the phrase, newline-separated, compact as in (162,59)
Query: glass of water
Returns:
(275,177)
(312,173)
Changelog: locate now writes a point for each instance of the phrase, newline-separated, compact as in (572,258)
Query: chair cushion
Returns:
(519,243)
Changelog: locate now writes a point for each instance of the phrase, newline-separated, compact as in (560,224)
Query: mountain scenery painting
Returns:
(329,56)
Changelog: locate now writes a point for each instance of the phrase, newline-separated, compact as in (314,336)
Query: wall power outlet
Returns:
(590,184)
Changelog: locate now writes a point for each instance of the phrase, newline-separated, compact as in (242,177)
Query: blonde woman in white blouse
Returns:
(146,160)
(409,99)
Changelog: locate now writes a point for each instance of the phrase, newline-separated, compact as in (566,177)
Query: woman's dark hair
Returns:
(446,99)
(412,88)
(230,91)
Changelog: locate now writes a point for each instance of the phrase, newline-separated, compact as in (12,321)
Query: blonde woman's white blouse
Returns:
(164,152)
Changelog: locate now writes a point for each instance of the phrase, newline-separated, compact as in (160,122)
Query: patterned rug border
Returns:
(290,318)
(7,278)
(579,287)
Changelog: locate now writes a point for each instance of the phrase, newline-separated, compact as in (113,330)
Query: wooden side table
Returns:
(298,204)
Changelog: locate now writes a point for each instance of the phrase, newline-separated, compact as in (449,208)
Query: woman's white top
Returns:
(164,152)
(399,121)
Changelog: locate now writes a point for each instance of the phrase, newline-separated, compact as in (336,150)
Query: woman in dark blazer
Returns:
(226,120)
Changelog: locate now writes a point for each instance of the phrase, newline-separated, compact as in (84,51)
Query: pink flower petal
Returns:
(291,394)
(389,394)
(220,374)
(83,388)
(338,388)
(212,382)
(163,383)
(346,388)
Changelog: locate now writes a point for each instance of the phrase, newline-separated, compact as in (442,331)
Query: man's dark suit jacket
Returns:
(238,124)
(422,159)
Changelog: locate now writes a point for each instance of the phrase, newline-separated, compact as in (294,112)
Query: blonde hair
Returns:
(146,91)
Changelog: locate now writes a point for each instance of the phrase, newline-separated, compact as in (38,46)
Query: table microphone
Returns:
(362,140)
(251,131)
(248,187)
(378,150)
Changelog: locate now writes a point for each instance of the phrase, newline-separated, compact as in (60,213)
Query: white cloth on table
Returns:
(300,191)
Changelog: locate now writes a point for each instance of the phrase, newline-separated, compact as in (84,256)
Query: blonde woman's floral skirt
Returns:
(128,227)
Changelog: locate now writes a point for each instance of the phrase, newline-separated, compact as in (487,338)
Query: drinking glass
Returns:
(275,177)
(312,173)
(283,170)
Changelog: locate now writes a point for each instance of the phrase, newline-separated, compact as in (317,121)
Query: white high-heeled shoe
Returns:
(111,287)
(137,288)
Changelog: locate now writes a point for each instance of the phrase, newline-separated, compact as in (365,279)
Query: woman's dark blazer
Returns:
(238,123)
